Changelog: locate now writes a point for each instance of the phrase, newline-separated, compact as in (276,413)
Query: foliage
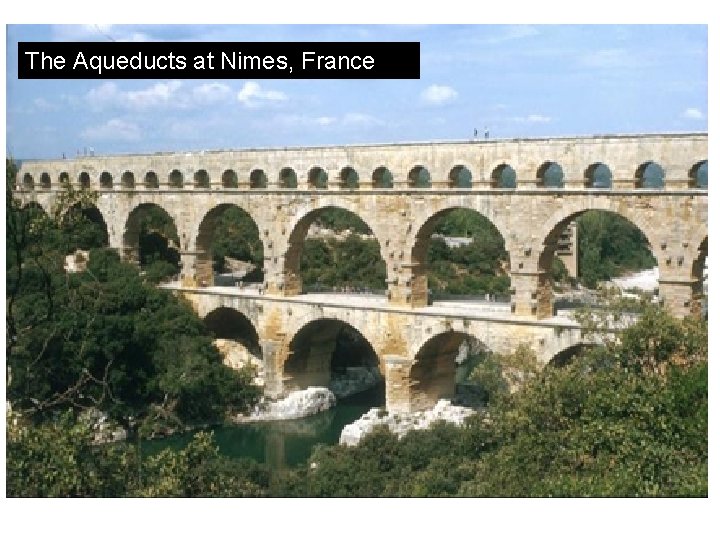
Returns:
(498,375)
(104,337)
(608,246)
(352,262)
(236,236)
(595,427)
(199,470)
(59,459)
(475,268)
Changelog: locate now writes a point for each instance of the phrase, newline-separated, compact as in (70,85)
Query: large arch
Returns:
(75,222)
(421,247)
(433,372)
(252,242)
(293,284)
(551,234)
(149,219)
(322,351)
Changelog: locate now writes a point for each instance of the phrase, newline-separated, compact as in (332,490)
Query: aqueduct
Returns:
(530,189)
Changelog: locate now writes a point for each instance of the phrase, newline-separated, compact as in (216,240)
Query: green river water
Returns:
(284,443)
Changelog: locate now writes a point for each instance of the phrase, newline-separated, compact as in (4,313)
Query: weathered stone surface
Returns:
(531,218)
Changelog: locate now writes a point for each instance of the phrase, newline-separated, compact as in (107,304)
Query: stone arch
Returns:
(598,176)
(291,270)
(229,179)
(151,180)
(34,206)
(420,248)
(287,178)
(127,180)
(460,177)
(504,176)
(650,175)
(699,175)
(382,178)
(106,180)
(349,178)
(419,177)
(64,178)
(229,323)
(317,178)
(84,238)
(565,356)
(258,179)
(201,179)
(551,233)
(433,370)
(28,182)
(175,179)
(550,175)
(45,182)
(204,273)
(133,230)
(312,354)
(84,180)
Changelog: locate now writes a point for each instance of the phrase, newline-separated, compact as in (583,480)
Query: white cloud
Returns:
(115,129)
(211,92)
(436,94)
(42,104)
(532,119)
(608,58)
(348,120)
(158,95)
(252,95)
(693,114)
(361,120)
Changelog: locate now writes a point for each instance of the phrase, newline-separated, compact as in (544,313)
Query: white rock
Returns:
(402,423)
(297,404)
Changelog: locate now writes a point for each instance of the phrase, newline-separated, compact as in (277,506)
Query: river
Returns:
(286,443)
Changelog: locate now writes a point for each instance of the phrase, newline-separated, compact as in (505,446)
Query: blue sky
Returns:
(516,80)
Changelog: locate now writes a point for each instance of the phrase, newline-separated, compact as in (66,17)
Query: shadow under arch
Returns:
(422,243)
(293,283)
(324,352)
(150,220)
(568,355)
(241,241)
(433,375)
(230,324)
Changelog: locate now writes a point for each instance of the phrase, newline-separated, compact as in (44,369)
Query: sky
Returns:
(513,80)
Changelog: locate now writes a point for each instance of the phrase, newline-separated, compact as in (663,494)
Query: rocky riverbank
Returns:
(402,423)
(297,404)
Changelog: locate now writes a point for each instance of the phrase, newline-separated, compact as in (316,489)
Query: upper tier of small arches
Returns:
(549,174)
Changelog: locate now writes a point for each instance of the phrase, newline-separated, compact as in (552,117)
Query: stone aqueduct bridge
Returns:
(529,189)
